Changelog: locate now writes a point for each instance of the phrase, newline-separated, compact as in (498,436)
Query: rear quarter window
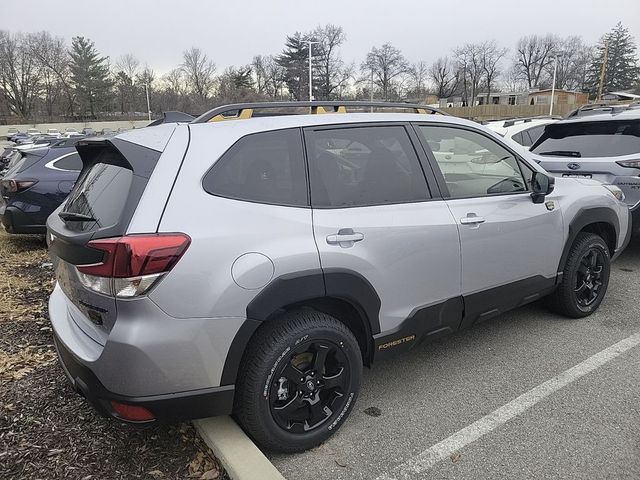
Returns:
(591,139)
(263,167)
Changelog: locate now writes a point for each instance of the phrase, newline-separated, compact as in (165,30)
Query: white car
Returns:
(33,132)
(524,131)
(70,132)
(54,132)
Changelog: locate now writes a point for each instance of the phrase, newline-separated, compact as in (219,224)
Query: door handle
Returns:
(472,219)
(345,237)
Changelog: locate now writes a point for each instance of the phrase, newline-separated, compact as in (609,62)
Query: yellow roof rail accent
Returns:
(421,110)
(319,109)
(243,114)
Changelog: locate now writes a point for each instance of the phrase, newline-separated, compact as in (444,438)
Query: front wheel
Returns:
(585,277)
(298,381)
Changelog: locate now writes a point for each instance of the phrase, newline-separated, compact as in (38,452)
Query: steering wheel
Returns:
(506,185)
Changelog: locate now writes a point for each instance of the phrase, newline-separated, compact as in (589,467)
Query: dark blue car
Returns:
(36,185)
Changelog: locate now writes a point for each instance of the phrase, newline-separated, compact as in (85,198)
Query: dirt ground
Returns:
(47,431)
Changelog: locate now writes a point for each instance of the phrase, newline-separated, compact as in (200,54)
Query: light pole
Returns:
(310,72)
(553,83)
(146,89)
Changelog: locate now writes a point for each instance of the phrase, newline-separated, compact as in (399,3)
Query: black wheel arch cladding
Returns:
(583,219)
(300,288)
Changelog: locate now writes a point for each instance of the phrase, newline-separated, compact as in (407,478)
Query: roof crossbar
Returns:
(237,111)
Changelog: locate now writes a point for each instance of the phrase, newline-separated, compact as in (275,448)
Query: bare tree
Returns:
(51,52)
(445,77)
(386,64)
(469,61)
(419,76)
(199,73)
(491,56)
(574,58)
(534,54)
(333,72)
(19,73)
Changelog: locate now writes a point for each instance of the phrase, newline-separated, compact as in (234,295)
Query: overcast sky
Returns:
(231,32)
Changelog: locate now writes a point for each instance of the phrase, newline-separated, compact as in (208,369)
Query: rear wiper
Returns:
(562,153)
(75,217)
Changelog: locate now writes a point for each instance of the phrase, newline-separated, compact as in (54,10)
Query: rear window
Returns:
(100,193)
(590,139)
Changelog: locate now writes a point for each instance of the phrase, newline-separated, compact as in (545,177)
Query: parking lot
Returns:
(586,429)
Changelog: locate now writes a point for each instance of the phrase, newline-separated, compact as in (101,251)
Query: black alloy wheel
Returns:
(309,387)
(589,277)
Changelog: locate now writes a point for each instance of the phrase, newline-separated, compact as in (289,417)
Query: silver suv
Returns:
(254,265)
(598,142)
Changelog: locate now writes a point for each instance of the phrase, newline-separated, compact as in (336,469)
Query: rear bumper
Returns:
(176,406)
(15,220)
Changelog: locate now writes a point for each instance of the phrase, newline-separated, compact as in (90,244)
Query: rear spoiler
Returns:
(172,117)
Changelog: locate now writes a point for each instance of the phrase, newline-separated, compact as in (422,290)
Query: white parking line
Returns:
(443,449)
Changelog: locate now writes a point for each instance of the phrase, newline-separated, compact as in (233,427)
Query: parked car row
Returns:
(253,266)
(13,134)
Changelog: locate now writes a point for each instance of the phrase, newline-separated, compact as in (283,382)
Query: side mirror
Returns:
(541,186)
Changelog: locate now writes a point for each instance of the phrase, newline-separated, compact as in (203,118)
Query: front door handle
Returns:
(472,219)
(345,237)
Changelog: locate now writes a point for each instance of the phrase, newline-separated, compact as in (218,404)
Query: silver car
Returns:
(253,264)
(602,143)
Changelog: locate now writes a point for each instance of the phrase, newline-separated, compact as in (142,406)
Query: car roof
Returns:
(520,126)
(629,113)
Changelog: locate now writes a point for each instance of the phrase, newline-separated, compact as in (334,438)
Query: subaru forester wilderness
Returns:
(252,265)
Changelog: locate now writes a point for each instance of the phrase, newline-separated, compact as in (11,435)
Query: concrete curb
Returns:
(237,453)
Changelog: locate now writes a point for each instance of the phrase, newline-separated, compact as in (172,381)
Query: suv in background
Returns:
(596,143)
(524,131)
(254,265)
(36,183)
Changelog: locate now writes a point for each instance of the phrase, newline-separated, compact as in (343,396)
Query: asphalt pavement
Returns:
(457,408)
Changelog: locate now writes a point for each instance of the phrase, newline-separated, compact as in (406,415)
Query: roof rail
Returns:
(238,111)
(510,122)
(594,107)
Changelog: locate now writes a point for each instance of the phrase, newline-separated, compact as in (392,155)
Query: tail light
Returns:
(629,163)
(15,186)
(132,264)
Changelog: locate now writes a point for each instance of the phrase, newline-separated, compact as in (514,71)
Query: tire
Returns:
(286,414)
(569,298)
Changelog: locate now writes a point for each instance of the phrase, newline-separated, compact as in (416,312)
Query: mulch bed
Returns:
(48,431)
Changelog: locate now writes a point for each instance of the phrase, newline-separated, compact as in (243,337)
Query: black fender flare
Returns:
(299,287)
(584,217)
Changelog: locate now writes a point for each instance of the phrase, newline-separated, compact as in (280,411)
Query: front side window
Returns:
(590,139)
(263,167)
(473,165)
(362,166)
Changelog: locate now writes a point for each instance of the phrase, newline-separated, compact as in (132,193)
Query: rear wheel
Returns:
(585,277)
(298,381)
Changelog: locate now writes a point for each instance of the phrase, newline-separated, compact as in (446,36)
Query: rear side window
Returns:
(69,162)
(361,166)
(532,134)
(263,167)
(590,139)
(101,194)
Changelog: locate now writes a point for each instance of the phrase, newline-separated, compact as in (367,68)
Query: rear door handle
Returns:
(472,219)
(345,237)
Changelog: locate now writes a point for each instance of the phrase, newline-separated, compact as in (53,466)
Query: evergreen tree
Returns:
(294,59)
(622,70)
(90,75)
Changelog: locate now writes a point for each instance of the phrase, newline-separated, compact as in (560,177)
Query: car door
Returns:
(374,217)
(510,246)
